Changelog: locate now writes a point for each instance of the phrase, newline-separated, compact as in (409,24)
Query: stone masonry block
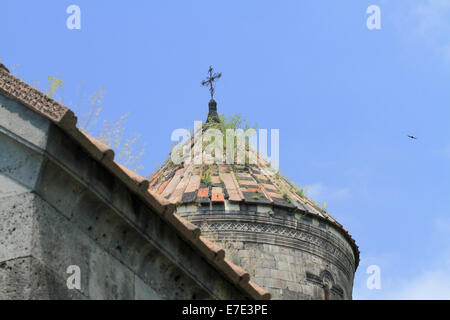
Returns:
(16,224)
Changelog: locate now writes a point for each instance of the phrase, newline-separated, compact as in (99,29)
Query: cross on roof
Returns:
(210,80)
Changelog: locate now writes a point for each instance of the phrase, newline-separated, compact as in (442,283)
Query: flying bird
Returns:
(412,137)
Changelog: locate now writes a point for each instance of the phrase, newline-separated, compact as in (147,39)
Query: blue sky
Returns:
(344,98)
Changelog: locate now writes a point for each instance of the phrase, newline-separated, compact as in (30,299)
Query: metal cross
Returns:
(210,80)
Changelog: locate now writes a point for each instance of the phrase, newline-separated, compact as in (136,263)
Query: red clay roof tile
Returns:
(231,187)
(217,197)
(257,190)
(163,186)
(203,193)
(194,184)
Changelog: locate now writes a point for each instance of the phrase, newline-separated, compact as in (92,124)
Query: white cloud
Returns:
(321,193)
(433,284)
(387,263)
(430,281)
(431,16)
(426,23)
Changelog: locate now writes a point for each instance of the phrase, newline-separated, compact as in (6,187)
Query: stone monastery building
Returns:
(188,232)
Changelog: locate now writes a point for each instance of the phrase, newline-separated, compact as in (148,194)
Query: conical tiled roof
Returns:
(254,184)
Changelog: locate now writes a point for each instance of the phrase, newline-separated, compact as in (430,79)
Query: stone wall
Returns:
(59,207)
(292,256)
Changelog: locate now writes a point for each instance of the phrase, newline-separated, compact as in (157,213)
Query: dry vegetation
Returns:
(129,149)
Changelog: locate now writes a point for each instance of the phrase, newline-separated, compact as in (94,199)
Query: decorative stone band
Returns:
(290,222)
(303,237)
(295,239)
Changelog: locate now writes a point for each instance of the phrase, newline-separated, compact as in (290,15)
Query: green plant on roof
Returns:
(205,176)
(258,196)
(206,179)
(88,109)
(285,195)
(54,83)
(233,122)
(315,205)
(302,192)
(169,162)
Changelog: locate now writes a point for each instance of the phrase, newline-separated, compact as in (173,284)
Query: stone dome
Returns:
(290,246)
